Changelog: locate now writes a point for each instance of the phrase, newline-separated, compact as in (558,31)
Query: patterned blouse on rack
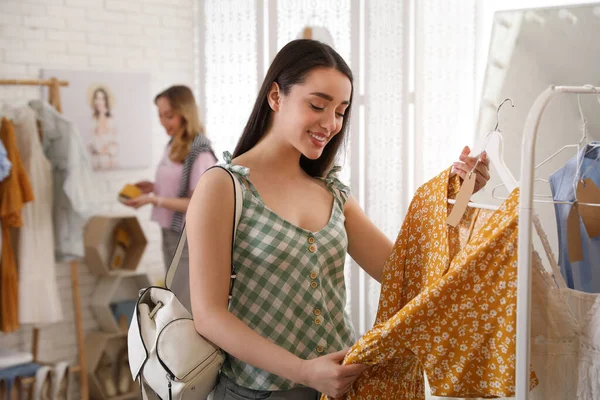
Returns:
(447,307)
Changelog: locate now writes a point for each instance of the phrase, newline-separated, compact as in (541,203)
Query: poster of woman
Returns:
(113,113)
(104,146)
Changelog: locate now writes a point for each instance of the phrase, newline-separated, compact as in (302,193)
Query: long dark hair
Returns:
(290,67)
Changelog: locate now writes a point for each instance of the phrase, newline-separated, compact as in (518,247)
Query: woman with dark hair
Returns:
(285,331)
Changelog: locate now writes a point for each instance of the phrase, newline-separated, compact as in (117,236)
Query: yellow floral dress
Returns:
(447,305)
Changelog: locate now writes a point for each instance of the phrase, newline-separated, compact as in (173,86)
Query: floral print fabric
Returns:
(447,305)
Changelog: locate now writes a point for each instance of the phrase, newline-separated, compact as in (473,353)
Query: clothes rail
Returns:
(34,82)
(530,133)
(477,205)
(54,99)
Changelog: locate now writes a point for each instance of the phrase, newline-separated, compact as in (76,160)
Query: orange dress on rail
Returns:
(447,305)
(15,191)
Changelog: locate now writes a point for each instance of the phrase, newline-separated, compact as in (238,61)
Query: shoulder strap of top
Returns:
(341,191)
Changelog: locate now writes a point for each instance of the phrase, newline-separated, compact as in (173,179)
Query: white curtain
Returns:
(408,126)
(230,57)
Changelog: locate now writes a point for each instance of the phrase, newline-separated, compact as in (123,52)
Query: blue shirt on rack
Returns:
(5,164)
(582,275)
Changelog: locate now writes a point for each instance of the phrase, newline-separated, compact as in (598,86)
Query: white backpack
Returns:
(165,351)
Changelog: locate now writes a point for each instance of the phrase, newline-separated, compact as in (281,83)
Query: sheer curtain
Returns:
(413,62)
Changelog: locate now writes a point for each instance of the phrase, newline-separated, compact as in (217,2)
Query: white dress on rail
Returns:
(39,299)
(565,335)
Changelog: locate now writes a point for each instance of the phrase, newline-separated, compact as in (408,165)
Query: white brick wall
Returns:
(154,36)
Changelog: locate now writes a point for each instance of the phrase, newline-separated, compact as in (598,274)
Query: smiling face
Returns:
(312,113)
(169,119)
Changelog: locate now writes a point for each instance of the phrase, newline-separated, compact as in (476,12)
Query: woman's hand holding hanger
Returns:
(466,165)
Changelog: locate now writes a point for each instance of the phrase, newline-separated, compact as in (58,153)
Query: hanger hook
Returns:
(498,112)
(583,121)
(580,109)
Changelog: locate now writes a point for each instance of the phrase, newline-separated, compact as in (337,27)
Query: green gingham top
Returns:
(290,282)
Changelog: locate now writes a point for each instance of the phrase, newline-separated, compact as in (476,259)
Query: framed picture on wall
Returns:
(113,112)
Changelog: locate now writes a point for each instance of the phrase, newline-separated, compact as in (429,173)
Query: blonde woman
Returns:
(185,159)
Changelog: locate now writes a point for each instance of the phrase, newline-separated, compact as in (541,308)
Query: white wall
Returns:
(152,36)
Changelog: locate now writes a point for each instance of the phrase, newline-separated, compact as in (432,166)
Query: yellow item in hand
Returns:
(129,192)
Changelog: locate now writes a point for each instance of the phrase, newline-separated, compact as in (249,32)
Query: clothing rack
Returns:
(54,99)
(35,82)
(525,223)
(53,84)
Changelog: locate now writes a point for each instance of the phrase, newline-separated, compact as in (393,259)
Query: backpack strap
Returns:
(135,340)
(143,388)
(238,203)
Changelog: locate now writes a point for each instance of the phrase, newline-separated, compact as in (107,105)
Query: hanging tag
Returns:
(462,199)
(588,192)
(574,235)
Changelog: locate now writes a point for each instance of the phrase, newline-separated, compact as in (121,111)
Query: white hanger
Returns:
(543,195)
(494,151)
(493,146)
(495,196)
(591,146)
(582,141)
(583,133)
(578,145)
